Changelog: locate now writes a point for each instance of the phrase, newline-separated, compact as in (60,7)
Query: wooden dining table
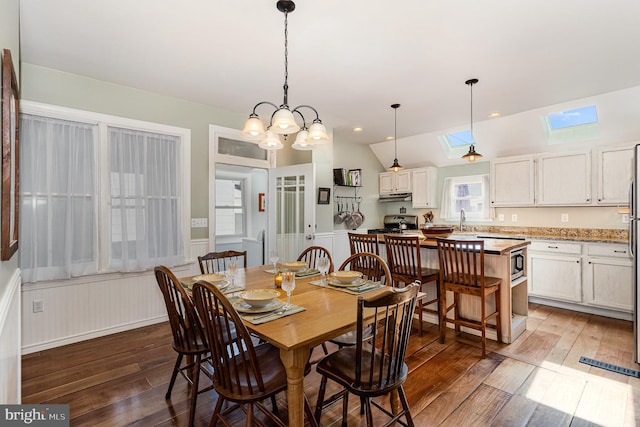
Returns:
(328,313)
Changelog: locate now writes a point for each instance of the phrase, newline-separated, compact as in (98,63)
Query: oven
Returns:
(396,224)
(517,264)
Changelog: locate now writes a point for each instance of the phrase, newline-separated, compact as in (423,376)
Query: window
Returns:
(100,194)
(230,207)
(470,193)
(455,144)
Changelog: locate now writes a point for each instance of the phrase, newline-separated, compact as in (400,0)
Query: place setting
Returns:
(349,281)
(224,282)
(300,268)
(263,305)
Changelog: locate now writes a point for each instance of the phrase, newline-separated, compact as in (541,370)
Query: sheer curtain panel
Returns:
(58,226)
(145,199)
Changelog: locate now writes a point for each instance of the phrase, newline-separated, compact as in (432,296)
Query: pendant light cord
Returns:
(395,132)
(286,60)
(472,112)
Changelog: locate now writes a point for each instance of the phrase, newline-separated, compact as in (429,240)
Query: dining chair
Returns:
(373,268)
(363,243)
(373,367)
(403,257)
(462,272)
(216,262)
(243,373)
(188,335)
(312,254)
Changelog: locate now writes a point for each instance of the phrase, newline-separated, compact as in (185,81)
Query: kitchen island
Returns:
(513,293)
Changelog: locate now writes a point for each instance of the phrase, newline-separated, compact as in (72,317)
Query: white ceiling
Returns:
(351,59)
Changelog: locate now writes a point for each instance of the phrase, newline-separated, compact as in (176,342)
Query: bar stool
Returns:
(462,272)
(363,243)
(403,257)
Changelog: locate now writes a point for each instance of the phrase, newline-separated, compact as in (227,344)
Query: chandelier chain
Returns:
(286,60)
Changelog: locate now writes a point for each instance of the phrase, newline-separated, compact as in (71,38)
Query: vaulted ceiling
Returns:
(351,59)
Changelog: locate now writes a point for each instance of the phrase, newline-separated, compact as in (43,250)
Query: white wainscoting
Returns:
(93,306)
(10,366)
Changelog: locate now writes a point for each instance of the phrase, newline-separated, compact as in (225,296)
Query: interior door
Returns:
(291,208)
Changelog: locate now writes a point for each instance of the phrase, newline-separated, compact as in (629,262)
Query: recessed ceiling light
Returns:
(494,114)
(389,138)
(358,129)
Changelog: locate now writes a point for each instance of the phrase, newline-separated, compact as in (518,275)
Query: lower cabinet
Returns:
(608,277)
(597,275)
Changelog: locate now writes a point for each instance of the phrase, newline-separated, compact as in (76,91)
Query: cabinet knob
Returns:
(552,247)
(588,200)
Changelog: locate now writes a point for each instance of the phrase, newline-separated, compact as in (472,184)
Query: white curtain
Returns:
(145,200)
(446,207)
(58,226)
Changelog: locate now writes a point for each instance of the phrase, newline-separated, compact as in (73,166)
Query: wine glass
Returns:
(232,269)
(288,284)
(323,267)
(274,257)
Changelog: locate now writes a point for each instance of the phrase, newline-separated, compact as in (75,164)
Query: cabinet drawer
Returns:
(610,250)
(556,247)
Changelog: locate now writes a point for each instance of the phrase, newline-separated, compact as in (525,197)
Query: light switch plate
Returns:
(514,217)
(198,222)
(564,217)
(625,218)
(501,217)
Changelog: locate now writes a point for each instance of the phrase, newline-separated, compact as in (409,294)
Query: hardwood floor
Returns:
(538,380)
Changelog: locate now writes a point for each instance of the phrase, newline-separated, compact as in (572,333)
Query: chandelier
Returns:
(282,121)
(472,155)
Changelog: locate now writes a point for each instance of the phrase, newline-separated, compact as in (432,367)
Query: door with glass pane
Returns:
(291,209)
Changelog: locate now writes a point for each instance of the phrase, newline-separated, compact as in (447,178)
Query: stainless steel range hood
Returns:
(395,197)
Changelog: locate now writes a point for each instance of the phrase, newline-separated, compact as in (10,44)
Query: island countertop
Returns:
(491,246)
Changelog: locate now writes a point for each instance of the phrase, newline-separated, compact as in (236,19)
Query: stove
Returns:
(396,224)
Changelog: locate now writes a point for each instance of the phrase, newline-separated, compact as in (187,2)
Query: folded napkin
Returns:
(354,290)
(308,272)
(272,270)
(257,319)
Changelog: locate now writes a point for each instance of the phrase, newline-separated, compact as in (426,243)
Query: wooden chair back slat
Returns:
(372,267)
(216,262)
(313,253)
(403,257)
(363,243)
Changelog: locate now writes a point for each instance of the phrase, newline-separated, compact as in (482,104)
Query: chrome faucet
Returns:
(463,218)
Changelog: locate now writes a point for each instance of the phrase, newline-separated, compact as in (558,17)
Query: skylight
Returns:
(571,125)
(455,144)
(570,118)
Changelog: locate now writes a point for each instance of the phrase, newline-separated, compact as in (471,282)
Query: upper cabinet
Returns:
(614,167)
(424,182)
(564,179)
(513,181)
(395,182)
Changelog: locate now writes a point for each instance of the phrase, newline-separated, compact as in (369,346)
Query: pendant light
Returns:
(395,167)
(472,155)
(282,120)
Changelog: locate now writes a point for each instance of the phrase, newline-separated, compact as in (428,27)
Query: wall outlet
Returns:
(199,222)
(625,218)
(514,217)
(38,305)
(501,217)
(564,217)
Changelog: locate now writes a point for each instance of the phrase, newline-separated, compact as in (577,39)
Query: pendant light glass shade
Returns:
(395,167)
(283,122)
(253,129)
(471,156)
(318,133)
(271,141)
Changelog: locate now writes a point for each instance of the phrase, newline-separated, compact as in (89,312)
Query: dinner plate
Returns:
(338,284)
(211,278)
(243,307)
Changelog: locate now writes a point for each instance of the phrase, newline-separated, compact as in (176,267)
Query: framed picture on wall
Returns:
(10,158)
(324,195)
(262,202)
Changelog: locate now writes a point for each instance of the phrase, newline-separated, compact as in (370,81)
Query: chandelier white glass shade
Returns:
(395,167)
(472,155)
(282,121)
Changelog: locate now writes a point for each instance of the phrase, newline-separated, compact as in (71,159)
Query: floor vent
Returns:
(609,367)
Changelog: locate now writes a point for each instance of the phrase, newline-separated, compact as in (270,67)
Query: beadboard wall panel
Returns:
(10,366)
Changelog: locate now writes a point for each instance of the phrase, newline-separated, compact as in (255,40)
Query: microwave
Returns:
(517,264)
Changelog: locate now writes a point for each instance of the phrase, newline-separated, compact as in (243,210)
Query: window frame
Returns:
(104,121)
(245,207)
(469,179)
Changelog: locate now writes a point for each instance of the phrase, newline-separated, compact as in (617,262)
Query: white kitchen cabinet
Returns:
(395,182)
(423,183)
(614,166)
(513,181)
(564,179)
(555,270)
(608,277)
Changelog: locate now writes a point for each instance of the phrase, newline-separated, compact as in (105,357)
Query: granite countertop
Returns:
(491,246)
(595,235)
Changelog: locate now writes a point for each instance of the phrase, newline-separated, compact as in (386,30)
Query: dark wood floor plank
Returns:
(476,410)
